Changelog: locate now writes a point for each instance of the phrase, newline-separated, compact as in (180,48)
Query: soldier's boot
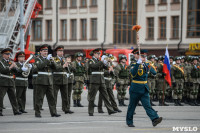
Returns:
(123,104)
(1,114)
(120,102)
(195,102)
(179,103)
(191,102)
(79,103)
(160,102)
(186,101)
(152,104)
(75,103)
(176,102)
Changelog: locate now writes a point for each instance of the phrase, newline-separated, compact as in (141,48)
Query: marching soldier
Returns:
(44,81)
(178,77)
(122,73)
(195,79)
(152,79)
(108,76)
(7,83)
(21,82)
(60,80)
(97,82)
(79,76)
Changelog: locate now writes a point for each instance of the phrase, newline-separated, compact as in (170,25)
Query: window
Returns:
(175,1)
(41,3)
(2,4)
(48,30)
(48,4)
(63,3)
(193,19)
(175,27)
(37,30)
(150,28)
(83,29)
(73,29)
(64,29)
(162,27)
(73,3)
(94,28)
(150,2)
(83,3)
(163,1)
(93,2)
(125,16)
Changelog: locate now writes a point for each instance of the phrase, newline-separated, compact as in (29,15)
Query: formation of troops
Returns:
(59,73)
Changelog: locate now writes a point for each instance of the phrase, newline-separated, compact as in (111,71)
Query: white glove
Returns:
(139,61)
(49,56)
(105,62)
(30,66)
(24,69)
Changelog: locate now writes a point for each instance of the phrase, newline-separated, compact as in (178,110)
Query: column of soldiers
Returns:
(53,74)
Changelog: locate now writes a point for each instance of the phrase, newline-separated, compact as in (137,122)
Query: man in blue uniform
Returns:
(139,90)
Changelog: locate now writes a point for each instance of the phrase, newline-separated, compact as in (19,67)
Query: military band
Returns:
(59,74)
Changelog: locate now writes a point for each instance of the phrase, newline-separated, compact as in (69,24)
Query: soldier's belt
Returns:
(44,73)
(107,78)
(97,72)
(60,73)
(6,76)
(18,78)
(35,75)
(139,82)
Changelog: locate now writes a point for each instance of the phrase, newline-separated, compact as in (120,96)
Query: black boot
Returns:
(75,103)
(195,102)
(186,101)
(176,102)
(160,102)
(179,103)
(191,102)
(120,102)
(164,103)
(79,103)
(123,103)
(152,103)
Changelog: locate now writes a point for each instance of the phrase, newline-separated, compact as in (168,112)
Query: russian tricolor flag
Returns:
(166,67)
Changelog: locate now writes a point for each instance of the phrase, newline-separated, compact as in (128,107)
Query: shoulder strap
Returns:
(2,64)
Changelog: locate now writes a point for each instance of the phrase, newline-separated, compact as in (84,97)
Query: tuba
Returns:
(25,74)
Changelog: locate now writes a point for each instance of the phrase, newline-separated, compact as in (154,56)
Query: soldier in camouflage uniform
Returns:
(161,83)
(79,77)
(122,73)
(178,77)
(7,83)
(44,81)
(152,79)
(195,79)
(109,75)
(21,82)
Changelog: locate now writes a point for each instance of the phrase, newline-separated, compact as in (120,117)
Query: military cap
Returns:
(78,54)
(122,57)
(182,57)
(161,57)
(156,58)
(135,51)
(151,56)
(95,51)
(44,47)
(19,54)
(6,50)
(171,57)
(60,48)
(177,58)
(195,58)
(67,55)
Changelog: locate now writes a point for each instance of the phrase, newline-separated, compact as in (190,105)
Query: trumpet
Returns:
(25,74)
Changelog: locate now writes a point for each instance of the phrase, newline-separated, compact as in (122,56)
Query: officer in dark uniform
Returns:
(139,91)
(21,82)
(79,77)
(97,82)
(44,81)
(60,80)
(7,83)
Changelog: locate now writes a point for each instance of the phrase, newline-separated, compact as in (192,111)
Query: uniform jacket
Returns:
(19,75)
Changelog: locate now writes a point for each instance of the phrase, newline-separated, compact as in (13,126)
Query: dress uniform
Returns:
(7,83)
(139,91)
(60,80)
(79,77)
(97,82)
(122,73)
(44,81)
(195,79)
(109,75)
(178,77)
(21,82)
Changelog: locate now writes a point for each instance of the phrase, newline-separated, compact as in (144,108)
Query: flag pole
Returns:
(164,84)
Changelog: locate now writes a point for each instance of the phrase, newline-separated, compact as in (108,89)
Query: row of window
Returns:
(163,28)
(73,3)
(37,29)
(152,2)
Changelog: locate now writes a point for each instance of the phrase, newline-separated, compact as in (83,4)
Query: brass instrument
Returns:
(25,74)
